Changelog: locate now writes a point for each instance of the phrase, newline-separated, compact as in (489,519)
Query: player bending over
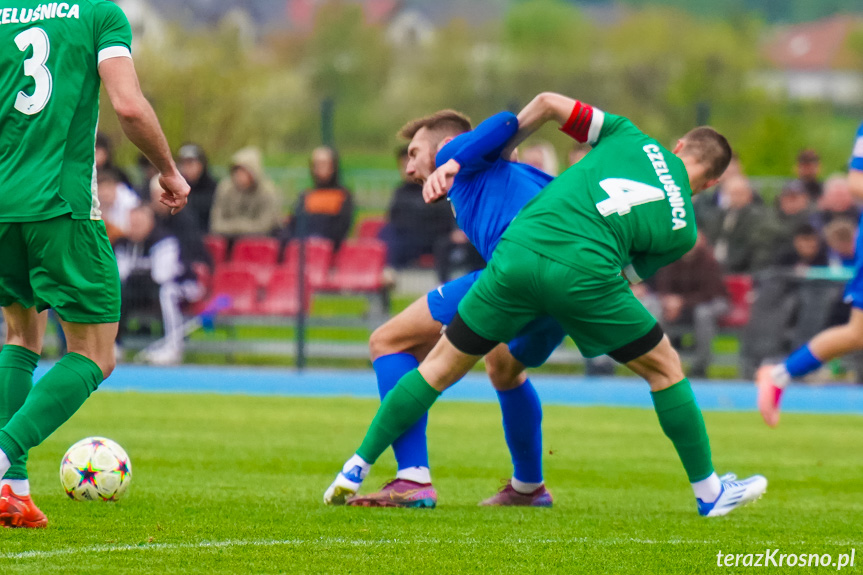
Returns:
(626,206)
(485,197)
(830,343)
(53,245)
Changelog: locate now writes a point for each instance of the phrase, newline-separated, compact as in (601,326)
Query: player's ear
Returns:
(678,147)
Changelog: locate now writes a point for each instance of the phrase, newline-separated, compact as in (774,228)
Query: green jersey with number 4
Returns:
(627,202)
(49,104)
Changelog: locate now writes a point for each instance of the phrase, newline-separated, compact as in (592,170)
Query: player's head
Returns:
(706,154)
(427,136)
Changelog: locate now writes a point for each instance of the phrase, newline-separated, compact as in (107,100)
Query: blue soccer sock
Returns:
(411,448)
(522,427)
(802,362)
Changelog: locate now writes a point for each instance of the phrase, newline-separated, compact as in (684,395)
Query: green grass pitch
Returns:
(233,484)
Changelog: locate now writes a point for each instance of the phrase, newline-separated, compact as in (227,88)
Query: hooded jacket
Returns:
(252,212)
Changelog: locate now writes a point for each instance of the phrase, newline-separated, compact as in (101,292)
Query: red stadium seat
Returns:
(319,256)
(359,266)
(256,250)
(239,284)
(217,246)
(369,228)
(282,294)
(739,289)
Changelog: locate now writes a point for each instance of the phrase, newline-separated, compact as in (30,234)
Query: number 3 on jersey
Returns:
(624,194)
(34,66)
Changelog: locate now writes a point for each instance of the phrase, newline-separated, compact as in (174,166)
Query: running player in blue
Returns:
(830,343)
(485,198)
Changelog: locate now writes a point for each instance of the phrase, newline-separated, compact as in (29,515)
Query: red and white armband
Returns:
(584,124)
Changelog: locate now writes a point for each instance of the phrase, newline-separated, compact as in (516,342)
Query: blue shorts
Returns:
(534,343)
(854,288)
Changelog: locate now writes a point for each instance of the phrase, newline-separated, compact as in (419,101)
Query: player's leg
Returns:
(502,311)
(73,270)
(829,344)
(396,348)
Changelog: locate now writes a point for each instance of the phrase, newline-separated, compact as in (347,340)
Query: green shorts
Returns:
(602,316)
(61,263)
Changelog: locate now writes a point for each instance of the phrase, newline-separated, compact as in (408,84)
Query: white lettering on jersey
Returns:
(672,190)
(42,12)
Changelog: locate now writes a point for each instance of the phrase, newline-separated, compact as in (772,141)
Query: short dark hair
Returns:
(710,148)
(442,124)
(108,175)
(805,229)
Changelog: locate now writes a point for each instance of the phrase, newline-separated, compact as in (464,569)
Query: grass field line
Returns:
(323,541)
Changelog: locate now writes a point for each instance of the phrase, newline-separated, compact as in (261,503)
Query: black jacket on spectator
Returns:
(185,227)
(156,261)
(324,213)
(414,227)
(201,200)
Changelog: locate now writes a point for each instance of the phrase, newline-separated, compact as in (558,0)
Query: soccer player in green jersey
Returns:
(617,216)
(53,245)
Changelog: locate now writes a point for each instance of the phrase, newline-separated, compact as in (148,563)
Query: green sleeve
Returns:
(112,27)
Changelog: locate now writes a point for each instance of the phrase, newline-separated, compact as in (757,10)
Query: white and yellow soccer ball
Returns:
(95,469)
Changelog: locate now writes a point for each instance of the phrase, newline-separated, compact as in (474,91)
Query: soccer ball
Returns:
(95,468)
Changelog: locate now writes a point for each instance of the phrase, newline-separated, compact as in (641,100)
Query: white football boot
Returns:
(734,494)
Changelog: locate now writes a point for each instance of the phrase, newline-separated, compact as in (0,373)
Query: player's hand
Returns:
(175,191)
(440,181)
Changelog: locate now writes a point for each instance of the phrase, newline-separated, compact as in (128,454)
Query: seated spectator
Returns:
(454,253)
(735,230)
(841,237)
(116,200)
(793,210)
(413,227)
(326,210)
(246,202)
(806,250)
(183,225)
(104,158)
(709,203)
(692,292)
(155,277)
(192,163)
(836,202)
(807,170)
(540,155)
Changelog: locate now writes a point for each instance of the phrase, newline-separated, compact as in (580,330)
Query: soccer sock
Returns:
(415,474)
(708,489)
(17,365)
(800,363)
(408,401)
(524,488)
(357,461)
(681,420)
(19,486)
(522,428)
(58,396)
(411,448)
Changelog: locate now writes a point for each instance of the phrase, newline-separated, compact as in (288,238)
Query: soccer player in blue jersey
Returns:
(830,343)
(485,198)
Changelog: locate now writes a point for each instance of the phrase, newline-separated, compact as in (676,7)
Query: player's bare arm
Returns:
(544,108)
(141,126)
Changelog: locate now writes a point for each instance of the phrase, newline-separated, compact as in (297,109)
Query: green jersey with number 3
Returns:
(627,204)
(49,104)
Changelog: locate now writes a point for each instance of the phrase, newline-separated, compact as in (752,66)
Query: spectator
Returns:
(246,202)
(413,227)
(692,292)
(734,232)
(193,164)
(708,205)
(806,249)
(841,236)
(541,156)
(155,276)
(146,172)
(183,225)
(104,158)
(837,202)
(116,201)
(326,210)
(807,169)
(793,210)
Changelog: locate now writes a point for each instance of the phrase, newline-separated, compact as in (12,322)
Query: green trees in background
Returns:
(657,65)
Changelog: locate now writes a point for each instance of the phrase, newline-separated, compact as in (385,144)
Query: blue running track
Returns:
(553,390)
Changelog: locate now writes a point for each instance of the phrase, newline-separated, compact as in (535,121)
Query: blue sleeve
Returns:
(481,147)
(857,152)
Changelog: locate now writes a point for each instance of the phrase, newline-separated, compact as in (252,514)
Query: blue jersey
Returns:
(854,289)
(488,192)
(857,152)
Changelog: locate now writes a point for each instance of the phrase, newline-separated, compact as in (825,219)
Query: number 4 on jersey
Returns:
(34,67)
(624,194)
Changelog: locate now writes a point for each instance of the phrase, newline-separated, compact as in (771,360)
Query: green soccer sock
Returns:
(402,407)
(683,424)
(17,365)
(56,397)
